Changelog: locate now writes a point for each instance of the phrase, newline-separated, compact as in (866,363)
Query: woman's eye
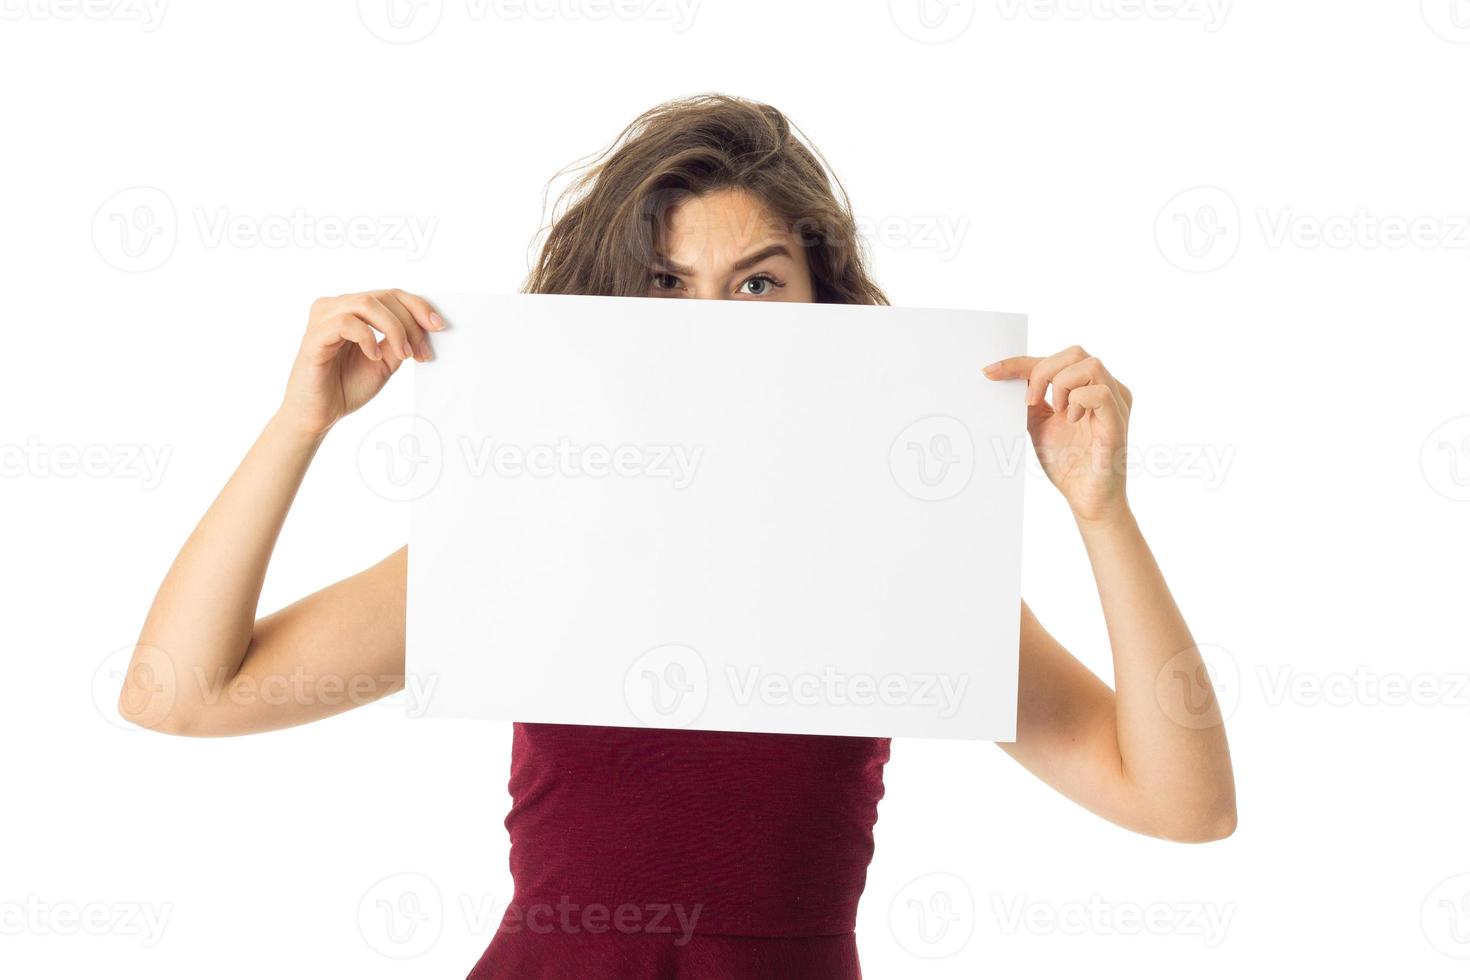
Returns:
(758,285)
(665,280)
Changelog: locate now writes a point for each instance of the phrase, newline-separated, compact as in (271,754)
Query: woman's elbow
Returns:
(158,707)
(1215,824)
(156,717)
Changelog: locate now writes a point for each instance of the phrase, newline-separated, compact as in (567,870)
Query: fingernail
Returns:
(991,368)
(407,352)
(436,321)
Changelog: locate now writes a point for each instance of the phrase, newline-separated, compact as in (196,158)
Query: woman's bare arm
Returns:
(1151,757)
(204,664)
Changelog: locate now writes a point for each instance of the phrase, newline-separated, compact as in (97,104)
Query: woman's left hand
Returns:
(1081,437)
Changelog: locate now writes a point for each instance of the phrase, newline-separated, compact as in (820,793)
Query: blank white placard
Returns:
(741,516)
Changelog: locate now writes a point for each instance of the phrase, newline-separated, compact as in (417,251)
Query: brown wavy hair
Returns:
(605,227)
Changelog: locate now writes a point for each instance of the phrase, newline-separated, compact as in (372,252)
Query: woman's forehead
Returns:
(721,226)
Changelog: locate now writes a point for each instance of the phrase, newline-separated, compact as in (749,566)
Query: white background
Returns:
(1327,556)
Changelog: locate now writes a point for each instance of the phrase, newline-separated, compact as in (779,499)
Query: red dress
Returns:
(647,854)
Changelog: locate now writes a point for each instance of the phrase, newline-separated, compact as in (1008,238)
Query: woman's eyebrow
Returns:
(759,256)
(663,263)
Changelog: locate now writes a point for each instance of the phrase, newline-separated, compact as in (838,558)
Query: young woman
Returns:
(750,851)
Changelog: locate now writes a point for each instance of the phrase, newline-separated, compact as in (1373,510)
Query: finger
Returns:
(385,321)
(1100,399)
(1046,369)
(412,332)
(417,335)
(343,328)
(1036,415)
(423,311)
(1010,367)
(1087,371)
(355,330)
(389,348)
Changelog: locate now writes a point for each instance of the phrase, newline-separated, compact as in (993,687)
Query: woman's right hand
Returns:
(342,362)
(204,658)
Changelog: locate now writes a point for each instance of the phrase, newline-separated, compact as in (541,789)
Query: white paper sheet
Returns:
(742,516)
